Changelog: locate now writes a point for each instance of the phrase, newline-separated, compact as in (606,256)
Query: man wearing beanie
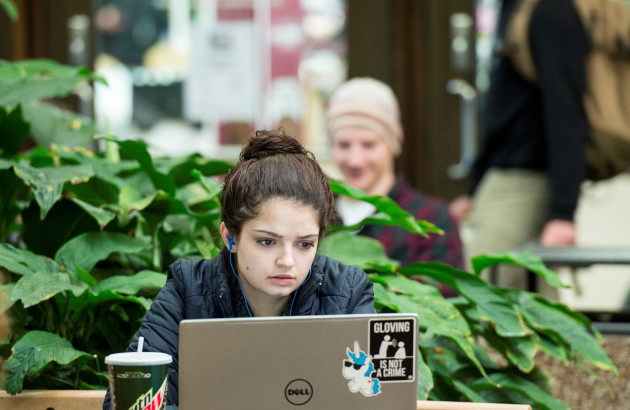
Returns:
(366,138)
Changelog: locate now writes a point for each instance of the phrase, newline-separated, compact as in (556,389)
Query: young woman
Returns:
(276,206)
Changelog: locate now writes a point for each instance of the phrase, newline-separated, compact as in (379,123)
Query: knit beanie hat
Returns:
(366,102)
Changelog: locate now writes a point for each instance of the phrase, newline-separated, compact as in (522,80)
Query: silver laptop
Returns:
(305,362)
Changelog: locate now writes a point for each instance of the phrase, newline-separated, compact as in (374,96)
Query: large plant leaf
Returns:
(492,306)
(13,131)
(101,216)
(89,248)
(541,398)
(51,125)
(550,318)
(33,352)
(213,187)
(399,283)
(195,194)
(528,260)
(6,302)
(104,169)
(41,286)
(520,351)
(389,211)
(131,285)
(450,367)
(425,378)
(182,172)
(343,246)
(25,262)
(48,182)
(36,79)
(554,347)
(138,151)
(78,304)
(63,221)
(10,8)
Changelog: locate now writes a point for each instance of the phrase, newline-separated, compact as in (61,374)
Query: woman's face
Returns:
(276,249)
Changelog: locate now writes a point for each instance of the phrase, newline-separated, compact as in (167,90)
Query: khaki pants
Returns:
(510,208)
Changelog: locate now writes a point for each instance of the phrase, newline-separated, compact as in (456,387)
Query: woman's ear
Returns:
(228,238)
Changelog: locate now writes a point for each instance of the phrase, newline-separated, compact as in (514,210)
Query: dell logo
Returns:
(298,392)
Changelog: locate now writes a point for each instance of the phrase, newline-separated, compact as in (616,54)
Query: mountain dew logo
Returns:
(150,402)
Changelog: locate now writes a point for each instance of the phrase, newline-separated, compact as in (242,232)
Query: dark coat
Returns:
(199,289)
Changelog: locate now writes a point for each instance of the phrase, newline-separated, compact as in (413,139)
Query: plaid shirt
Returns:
(408,247)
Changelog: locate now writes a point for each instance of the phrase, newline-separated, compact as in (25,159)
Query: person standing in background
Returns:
(366,137)
(532,160)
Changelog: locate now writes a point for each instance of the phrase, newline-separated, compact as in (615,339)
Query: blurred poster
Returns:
(223,84)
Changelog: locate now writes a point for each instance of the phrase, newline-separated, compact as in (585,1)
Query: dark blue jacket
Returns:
(199,289)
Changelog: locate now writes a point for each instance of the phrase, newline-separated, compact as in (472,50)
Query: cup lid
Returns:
(138,359)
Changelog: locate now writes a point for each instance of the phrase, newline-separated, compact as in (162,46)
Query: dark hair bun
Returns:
(270,143)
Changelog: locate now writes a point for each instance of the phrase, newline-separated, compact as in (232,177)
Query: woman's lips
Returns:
(282,280)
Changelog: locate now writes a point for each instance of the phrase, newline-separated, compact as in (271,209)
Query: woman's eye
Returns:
(306,245)
(265,242)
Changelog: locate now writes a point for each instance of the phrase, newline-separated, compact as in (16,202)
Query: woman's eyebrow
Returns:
(275,235)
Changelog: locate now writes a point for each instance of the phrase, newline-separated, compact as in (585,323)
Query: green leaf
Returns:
(550,318)
(105,170)
(189,170)
(100,215)
(492,306)
(528,260)
(441,358)
(542,399)
(30,80)
(390,213)
(409,286)
(138,151)
(469,393)
(41,286)
(25,262)
(89,248)
(520,351)
(13,131)
(9,7)
(131,285)
(88,300)
(213,187)
(555,348)
(130,200)
(33,352)
(51,125)
(85,276)
(7,301)
(48,182)
(425,378)
(342,246)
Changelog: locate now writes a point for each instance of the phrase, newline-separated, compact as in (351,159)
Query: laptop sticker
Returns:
(358,368)
(390,345)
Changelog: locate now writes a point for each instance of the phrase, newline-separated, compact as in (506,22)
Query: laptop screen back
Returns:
(340,361)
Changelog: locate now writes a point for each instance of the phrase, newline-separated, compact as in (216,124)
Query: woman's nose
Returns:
(286,259)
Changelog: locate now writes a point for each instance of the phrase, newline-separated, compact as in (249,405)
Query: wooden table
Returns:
(93,399)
